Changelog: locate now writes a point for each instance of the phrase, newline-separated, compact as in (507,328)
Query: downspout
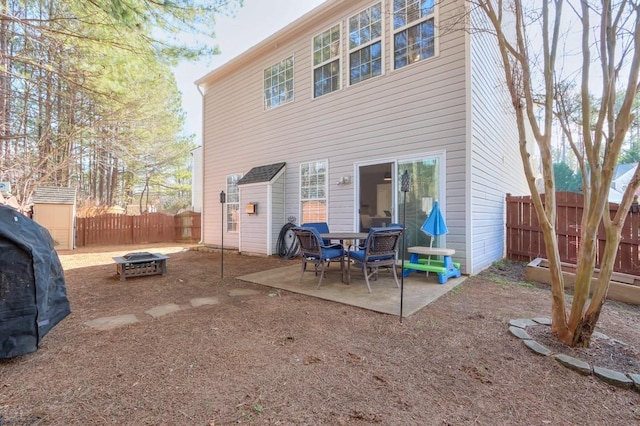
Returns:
(199,87)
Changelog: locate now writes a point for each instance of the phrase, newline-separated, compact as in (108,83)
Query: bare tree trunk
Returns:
(603,132)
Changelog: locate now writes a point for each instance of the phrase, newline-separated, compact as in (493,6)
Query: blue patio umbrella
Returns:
(434,225)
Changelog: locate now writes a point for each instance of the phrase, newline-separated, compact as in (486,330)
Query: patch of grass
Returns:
(455,290)
(505,282)
(498,264)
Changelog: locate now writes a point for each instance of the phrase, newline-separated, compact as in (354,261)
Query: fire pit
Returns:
(140,264)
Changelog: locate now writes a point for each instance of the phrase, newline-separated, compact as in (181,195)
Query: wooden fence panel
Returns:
(525,241)
(114,229)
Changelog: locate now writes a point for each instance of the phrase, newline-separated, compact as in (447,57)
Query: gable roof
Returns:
(54,195)
(261,174)
(289,32)
(622,169)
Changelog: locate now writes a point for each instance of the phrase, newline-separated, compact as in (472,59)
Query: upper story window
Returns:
(313,191)
(413,31)
(278,83)
(233,202)
(365,44)
(326,61)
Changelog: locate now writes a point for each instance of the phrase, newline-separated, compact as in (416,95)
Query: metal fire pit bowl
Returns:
(140,264)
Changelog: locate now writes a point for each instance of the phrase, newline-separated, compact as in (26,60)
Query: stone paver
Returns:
(574,364)
(636,381)
(159,311)
(543,320)
(109,323)
(517,327)
(537,347)
(613,377)
(202,301)
(519,333)
(522,323)
(243,292)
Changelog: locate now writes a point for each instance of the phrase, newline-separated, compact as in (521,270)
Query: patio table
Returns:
(342,237)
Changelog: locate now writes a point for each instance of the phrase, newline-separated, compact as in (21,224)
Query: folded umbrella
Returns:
(435,224)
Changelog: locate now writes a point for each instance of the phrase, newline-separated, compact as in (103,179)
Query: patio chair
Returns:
(380,250)
(314,251)
(321,227)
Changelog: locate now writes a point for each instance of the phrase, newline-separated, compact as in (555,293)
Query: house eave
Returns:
(274,41)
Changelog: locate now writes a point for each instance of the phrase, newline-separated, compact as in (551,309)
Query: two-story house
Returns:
(319,121)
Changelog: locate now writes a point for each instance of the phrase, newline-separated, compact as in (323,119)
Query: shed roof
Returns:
(54,195)
(261,174)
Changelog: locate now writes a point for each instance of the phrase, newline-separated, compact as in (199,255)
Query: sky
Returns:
(254,22)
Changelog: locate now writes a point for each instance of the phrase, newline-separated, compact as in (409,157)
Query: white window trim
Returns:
(293,79)
(383,38)
(340,57)
(436,37)
(326,187)
(440,155)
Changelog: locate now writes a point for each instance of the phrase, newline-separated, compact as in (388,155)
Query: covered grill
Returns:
(33,296)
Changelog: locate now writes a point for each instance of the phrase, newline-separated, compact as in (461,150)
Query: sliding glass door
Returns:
(426,186)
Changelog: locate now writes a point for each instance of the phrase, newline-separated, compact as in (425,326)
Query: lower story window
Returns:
(313,191)
(233,202)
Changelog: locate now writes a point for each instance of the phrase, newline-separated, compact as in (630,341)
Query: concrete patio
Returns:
(419,290)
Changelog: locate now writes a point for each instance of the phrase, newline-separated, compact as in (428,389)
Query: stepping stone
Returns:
(159,311)
(109,323)
(543,321)
(636,381)
(243,292)
(519,333)
(537,347)
(574,364)
(613,377)
(522,323)
(201,301)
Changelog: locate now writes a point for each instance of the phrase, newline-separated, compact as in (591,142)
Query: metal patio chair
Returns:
(314,251)
(380,250)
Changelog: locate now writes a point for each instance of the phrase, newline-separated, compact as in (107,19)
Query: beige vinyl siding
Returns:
(254,226)
(495,164)
(414,111)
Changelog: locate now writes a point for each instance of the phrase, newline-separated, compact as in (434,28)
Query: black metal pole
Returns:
(404,187)
(223,199)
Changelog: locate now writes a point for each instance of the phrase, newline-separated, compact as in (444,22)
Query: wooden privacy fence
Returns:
(525,241)
(113,229)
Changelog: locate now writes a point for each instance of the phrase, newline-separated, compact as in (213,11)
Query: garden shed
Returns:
(55,209)
(261,213)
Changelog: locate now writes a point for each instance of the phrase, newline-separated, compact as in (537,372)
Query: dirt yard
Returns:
(279,358)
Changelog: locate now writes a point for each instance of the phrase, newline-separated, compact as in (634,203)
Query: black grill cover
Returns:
(33,296)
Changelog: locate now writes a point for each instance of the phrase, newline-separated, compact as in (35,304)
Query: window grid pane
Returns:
(278,83)
(326,61)
(406,12)
(313,185)
(414,44)
(365,33)
(365,63)
(233,202)
(366,26)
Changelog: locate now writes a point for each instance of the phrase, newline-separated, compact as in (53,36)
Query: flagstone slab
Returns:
(109,323)
(202,301)
(162,310)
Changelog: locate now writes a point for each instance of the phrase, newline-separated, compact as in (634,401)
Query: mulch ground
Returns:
(282,358)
